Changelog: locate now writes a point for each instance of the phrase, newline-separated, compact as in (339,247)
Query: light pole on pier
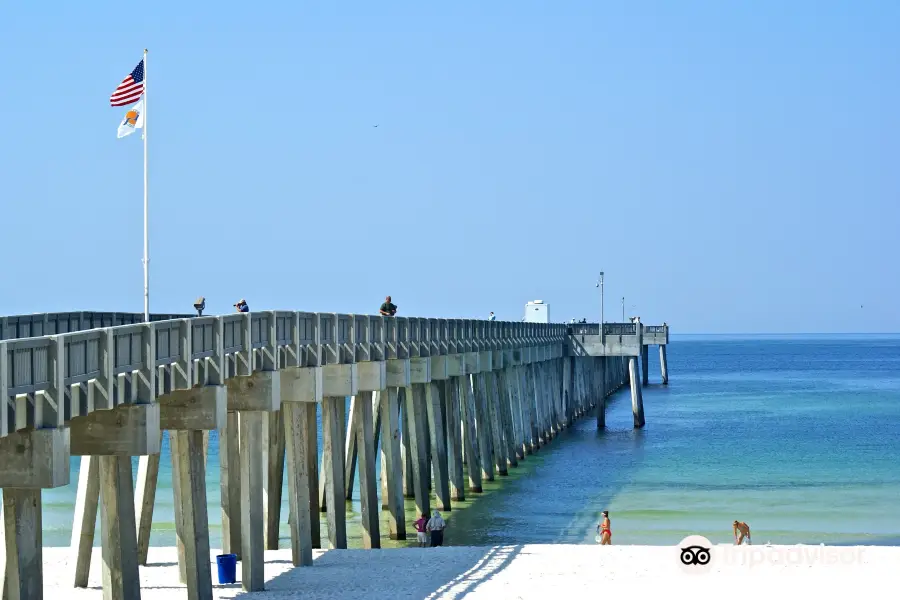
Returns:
(623,309)
(600,285)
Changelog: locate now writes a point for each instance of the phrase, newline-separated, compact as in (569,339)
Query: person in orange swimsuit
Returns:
(604,530)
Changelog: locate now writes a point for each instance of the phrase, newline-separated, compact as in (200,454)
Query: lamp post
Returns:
(623,309)
(600,285)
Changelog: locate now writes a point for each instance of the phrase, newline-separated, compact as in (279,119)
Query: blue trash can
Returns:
(227,564)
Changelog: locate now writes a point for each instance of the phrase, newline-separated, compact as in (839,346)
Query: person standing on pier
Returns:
(604,530)
(241,306)
(420,524)
(745,532)
(436,525)
(388,309)
(491,317)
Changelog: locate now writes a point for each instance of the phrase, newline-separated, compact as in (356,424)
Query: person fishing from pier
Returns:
(388,308)
(603,529)
(744,529)
(436,525)
(419,525)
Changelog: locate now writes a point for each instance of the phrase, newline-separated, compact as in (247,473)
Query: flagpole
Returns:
(146,229)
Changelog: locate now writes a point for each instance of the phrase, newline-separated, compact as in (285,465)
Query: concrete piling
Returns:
(663,366)
(393,468)
(645,365)
(637,401)
(333,470)
(470,434)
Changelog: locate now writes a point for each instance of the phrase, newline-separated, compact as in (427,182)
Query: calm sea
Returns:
(797,436)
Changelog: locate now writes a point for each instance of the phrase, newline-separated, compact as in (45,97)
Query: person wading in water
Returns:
(745,532)
(604,530)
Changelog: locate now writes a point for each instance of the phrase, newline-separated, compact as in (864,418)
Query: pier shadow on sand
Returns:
(444,572)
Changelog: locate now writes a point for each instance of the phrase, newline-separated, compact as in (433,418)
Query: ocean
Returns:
(799,436)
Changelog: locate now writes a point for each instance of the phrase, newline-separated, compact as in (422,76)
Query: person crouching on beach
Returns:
(436,526)
(420,525)
(745,532)
(604,530)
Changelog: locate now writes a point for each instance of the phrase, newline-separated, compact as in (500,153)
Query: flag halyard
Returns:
(130,89)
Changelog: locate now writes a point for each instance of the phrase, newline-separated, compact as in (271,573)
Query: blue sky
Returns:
(730,165)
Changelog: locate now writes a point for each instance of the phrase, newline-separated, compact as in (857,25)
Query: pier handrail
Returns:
(619,329)
(41,324)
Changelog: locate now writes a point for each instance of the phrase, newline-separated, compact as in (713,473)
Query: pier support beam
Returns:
(504,405)
(601,402)
(297,430)
(254,396)
(230,484)
(189,485)
(273,446)
(251,463)
(32,461)
(24,575)
(434,404)
(406,460)
(350,444)
(483,422)
(571,408)
(663,365)
(301,390)
(496,423)
(87,503)
(312,467)
(454,440)
(637,400)
(118,531)
(416,415)
(645,364)
(368,492)
(110,438)
(392,470)
(333,469)
(469,433)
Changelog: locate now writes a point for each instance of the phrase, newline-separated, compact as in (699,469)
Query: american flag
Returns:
(130,89)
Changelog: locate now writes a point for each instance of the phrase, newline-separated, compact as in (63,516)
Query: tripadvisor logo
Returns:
(695,554)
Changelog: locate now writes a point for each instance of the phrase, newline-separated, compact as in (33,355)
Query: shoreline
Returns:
(516,571)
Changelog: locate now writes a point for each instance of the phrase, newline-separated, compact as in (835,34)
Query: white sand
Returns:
(530,571)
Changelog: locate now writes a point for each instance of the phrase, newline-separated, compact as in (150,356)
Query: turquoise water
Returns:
(798,436)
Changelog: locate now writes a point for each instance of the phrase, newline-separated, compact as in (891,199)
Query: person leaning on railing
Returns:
(388,308)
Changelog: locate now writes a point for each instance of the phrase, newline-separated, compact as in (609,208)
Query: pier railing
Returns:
(36,325)
(608,328)
(619,329)
(584,329)
(48,380)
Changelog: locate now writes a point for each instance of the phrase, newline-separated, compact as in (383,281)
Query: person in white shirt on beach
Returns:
(435,527)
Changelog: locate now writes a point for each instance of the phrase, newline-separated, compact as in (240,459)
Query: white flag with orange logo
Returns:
(134,119)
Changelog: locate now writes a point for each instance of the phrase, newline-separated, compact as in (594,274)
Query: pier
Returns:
(453,402)
(626,341)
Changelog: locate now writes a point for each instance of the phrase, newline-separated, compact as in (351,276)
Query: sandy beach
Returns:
(524,571)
